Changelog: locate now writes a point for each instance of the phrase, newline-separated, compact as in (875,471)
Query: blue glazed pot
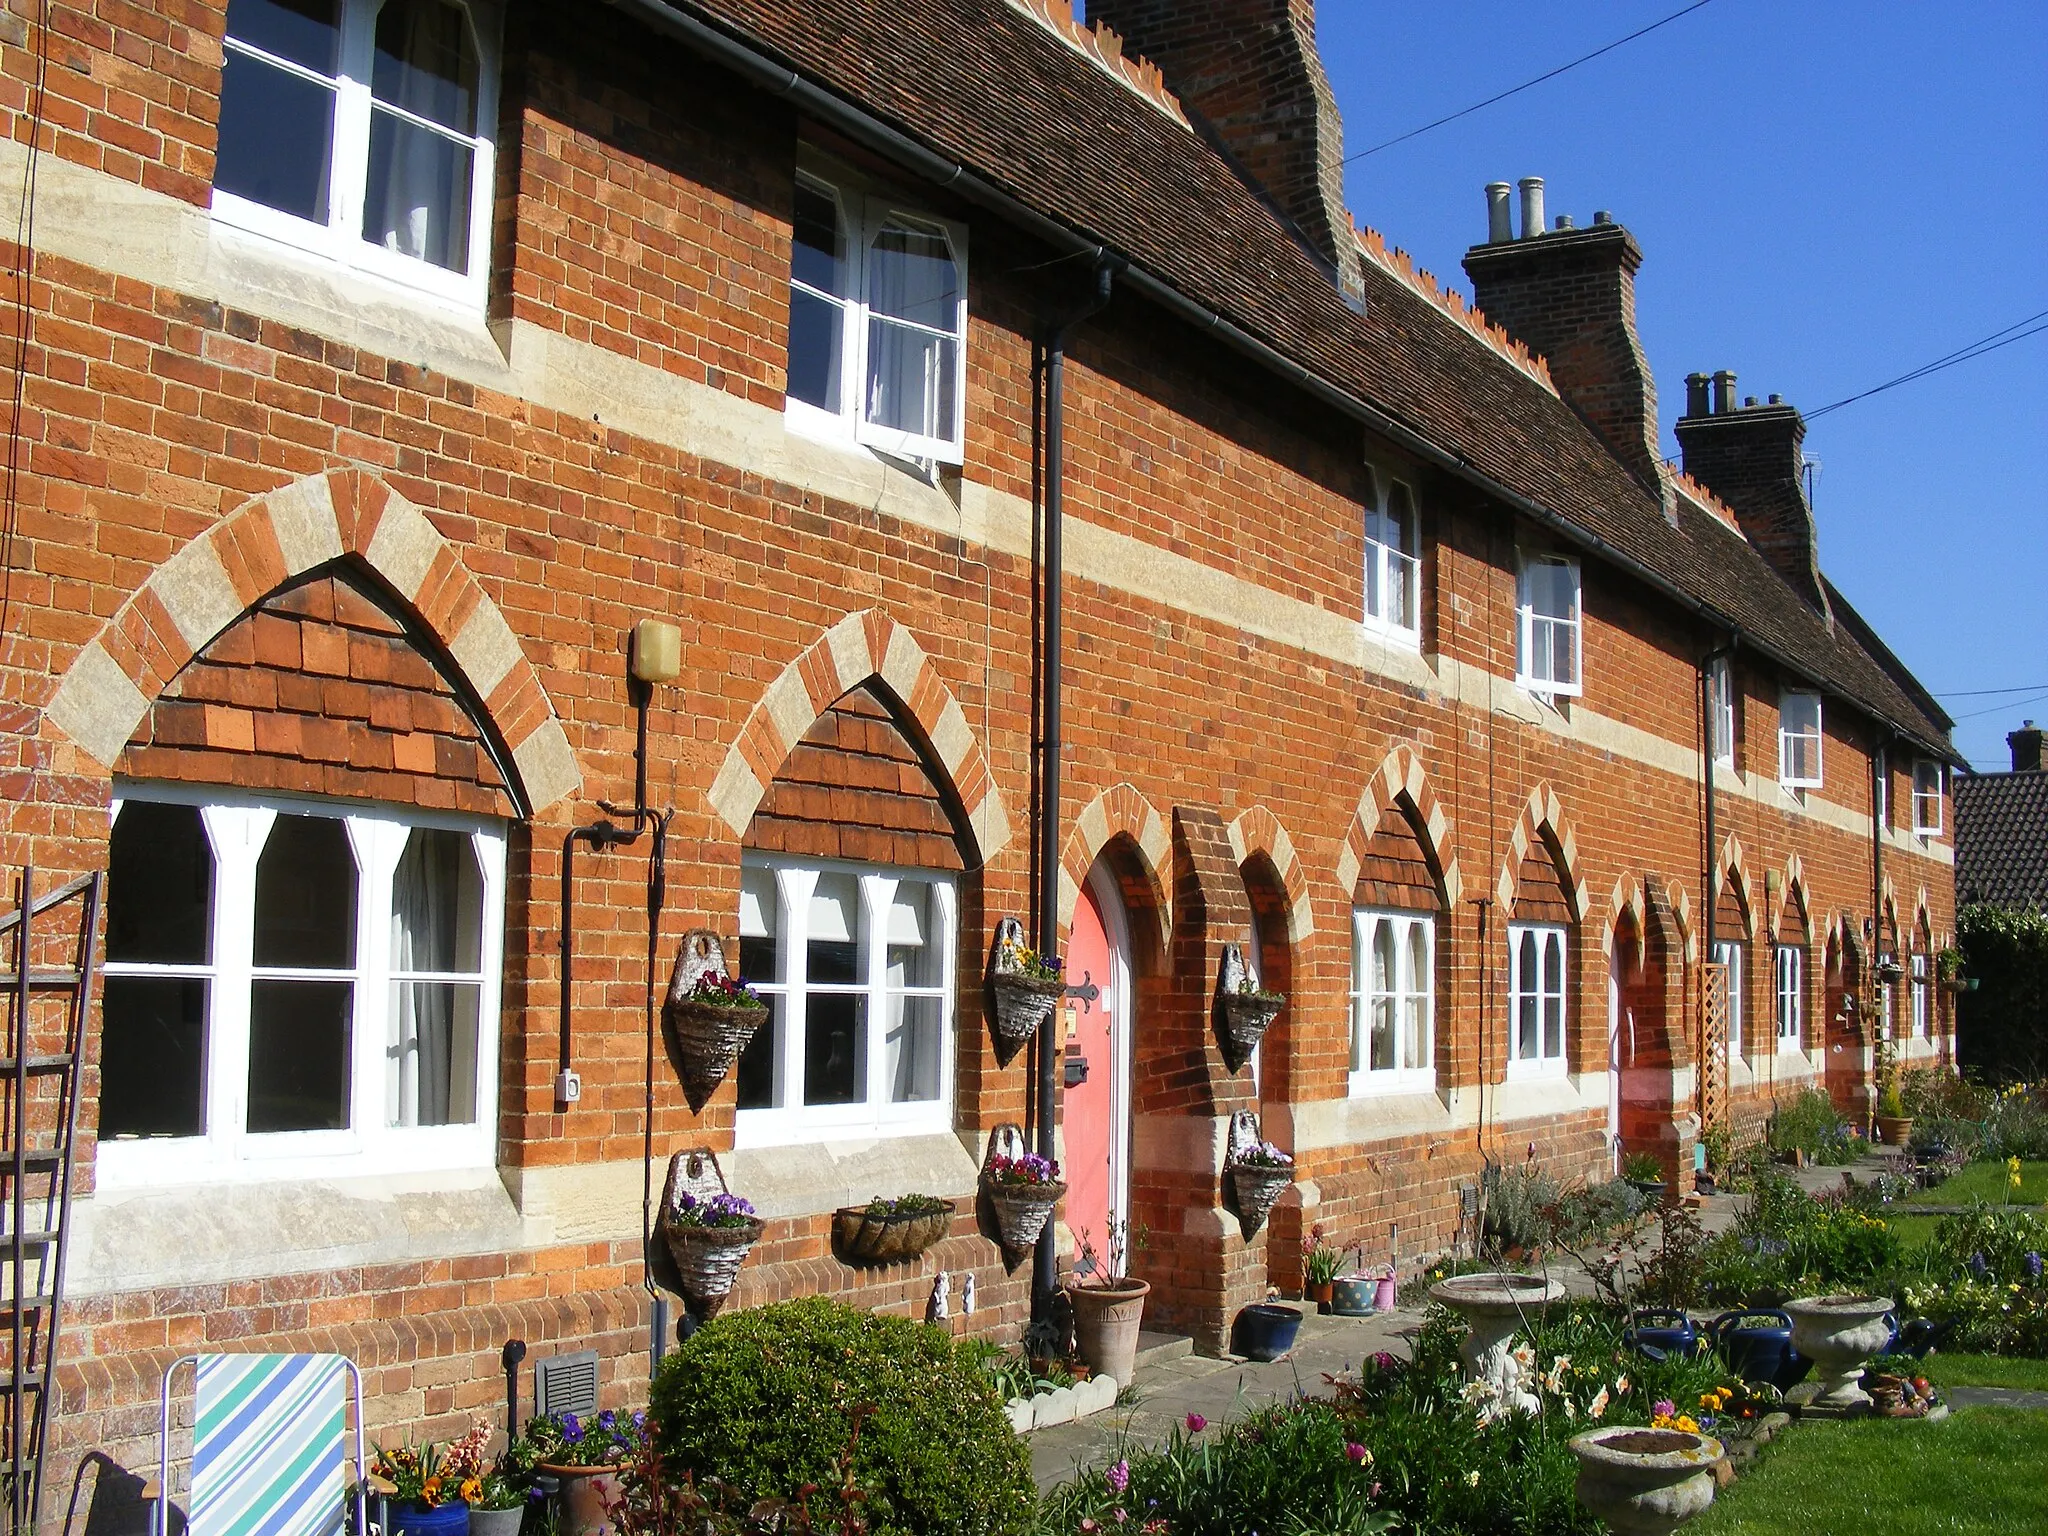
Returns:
(419,1520)
(1265,1331)
(1661,1331)
(1351,1296)
(1757,1344)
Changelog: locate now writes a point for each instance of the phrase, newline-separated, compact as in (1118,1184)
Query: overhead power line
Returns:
(2001,708)
(2036,323)
(1985,693)
(1479,106)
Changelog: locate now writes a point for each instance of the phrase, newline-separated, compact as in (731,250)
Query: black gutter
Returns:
(779,80)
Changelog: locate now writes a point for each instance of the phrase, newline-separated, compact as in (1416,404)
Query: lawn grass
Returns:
(1987,1181)
(1946,1370)
(1898,1477)
(1915,1232)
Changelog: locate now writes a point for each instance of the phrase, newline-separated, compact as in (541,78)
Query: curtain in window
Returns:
(418,196)
(423,1014)
(913,301)
(1416,1040)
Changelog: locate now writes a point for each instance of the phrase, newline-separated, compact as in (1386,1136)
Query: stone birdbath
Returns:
(1838,1334)
(1493,1306)
(1645,1482)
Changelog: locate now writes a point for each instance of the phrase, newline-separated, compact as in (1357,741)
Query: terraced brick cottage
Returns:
(387,363)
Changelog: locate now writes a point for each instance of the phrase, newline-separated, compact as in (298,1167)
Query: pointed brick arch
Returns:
(1542,823)
(1794,901)
(1120,813)
(1626,902)
(1258,831)
(864,646)
(1401,781)
(267,544)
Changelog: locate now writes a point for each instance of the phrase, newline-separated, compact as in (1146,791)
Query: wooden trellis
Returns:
(1710,1067)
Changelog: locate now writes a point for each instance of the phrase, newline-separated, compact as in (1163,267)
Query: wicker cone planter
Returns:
(709,1259)
(1257,1188)
(1022,1211)
(707,1039)
(1244,1021)
(1022,1003)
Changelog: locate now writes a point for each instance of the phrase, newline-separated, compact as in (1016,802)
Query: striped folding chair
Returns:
(269,1433)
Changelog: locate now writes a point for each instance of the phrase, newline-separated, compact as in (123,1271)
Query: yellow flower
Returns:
(1472,1479)
(471,1491)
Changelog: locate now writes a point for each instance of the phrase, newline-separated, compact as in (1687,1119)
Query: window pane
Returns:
(817,255)
(1528,984)
(416,200)
(1375,573)
(916,944)
(1416,1045)
(1553,590)
(276,136)
(433,1046)
(833,956)
(1382,1033)
(159,885)
(817,337)
(307,32)
(758,1061)
(912,1043)
(1553,995)
(835,1066)
(298,1052)
(1401,584)
(306,896)
(912,276)
(152,1054)
(437,899)
(1400,523)
(426,62)
(910,379)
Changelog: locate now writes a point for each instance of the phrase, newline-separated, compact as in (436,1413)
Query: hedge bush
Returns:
(765,1400)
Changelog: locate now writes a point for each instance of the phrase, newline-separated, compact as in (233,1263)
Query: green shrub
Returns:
(1519,1203)
(1811,1124)
(764,1400)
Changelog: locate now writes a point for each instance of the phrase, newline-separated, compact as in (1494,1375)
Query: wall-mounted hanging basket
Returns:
(707,1258)
(1019,1000)
(878,1233)
(1254,1186)
(704,1037)
(1021,1209)
(1241,1014)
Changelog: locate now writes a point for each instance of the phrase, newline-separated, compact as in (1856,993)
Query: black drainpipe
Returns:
(1045,1269)
(1710,867)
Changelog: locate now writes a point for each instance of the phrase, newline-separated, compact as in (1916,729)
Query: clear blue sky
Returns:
(1827,194)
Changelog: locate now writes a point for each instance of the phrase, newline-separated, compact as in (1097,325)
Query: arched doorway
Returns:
(1096,1103)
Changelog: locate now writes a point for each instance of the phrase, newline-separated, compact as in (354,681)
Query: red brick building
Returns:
(386,363)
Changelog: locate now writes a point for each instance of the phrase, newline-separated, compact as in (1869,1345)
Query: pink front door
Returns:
(1089,1105)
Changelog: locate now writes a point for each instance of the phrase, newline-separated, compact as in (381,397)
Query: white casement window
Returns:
(1799,740)
(1536,999)
(1393,560)
(1547,650)
(1721,699)
(1728,953)
(1919,995)
(1791,963)
(297,989)
(877,324)
(856,965)
(1881,770)
(1393,991)
(361,131)
(1927,797)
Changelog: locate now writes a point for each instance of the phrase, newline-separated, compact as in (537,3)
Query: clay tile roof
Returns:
(987,85)
(2002,838)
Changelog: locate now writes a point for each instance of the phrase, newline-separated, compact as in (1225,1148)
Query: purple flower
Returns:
(639,1419)
(1118,1477)
(1355,1451)
(607,1419)
(2033,1263)
(1196,1423)
(572,1428)
(1663,1408)
(1978,1267)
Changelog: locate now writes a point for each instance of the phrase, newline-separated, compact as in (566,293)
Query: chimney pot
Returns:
(1532,206)
(2026,748)
(1724,391)
(1748,401)
(1500,215)
(1564,221)
(1602,216)
(1777,399)
(1696,394)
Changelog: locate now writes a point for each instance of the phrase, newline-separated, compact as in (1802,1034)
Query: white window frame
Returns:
(863,216)
(1918,980)
(1721,694)
(1790,964)
(1789,738)
(1526,620)
(1410,993)
(1553,948)
(792,1122)
(236,827)
(1881,769)
(1926,800)
(1387,567)
(340,241)
(1728,953)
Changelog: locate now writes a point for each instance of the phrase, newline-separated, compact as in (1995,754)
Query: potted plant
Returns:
(500,1504)
(1025,986)
(430,1487)
(1022,1189)
(1257,1175)
(1948,970)
(1644,1173)
(885,1230)
(710,1239)
(709,1017)
(587,1457)
(1319,1264)
(1894,1125)
(1109,1306)
(1247,1008)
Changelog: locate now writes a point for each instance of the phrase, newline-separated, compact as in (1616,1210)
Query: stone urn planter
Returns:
(584,1493)
(1838,1334)
(1106,1323)
(1645,1482)
(1493,1306)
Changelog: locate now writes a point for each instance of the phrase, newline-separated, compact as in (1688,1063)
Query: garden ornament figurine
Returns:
(939,1309)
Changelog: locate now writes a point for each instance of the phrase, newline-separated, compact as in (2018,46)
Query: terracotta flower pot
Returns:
(1321,1292)
(584,1493)
(1106,1323)
(1895,1130)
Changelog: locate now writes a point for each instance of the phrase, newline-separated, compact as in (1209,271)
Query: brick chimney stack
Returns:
(2026,748)
(1569,295)
(1249,71)
(1748,455)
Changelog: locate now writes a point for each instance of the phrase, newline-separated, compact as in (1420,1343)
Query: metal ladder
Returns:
(49,997)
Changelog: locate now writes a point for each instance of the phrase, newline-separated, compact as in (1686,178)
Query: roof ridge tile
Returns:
(1396,262)
(1104,46)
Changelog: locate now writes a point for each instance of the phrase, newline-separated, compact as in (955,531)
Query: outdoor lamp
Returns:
(657,651)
